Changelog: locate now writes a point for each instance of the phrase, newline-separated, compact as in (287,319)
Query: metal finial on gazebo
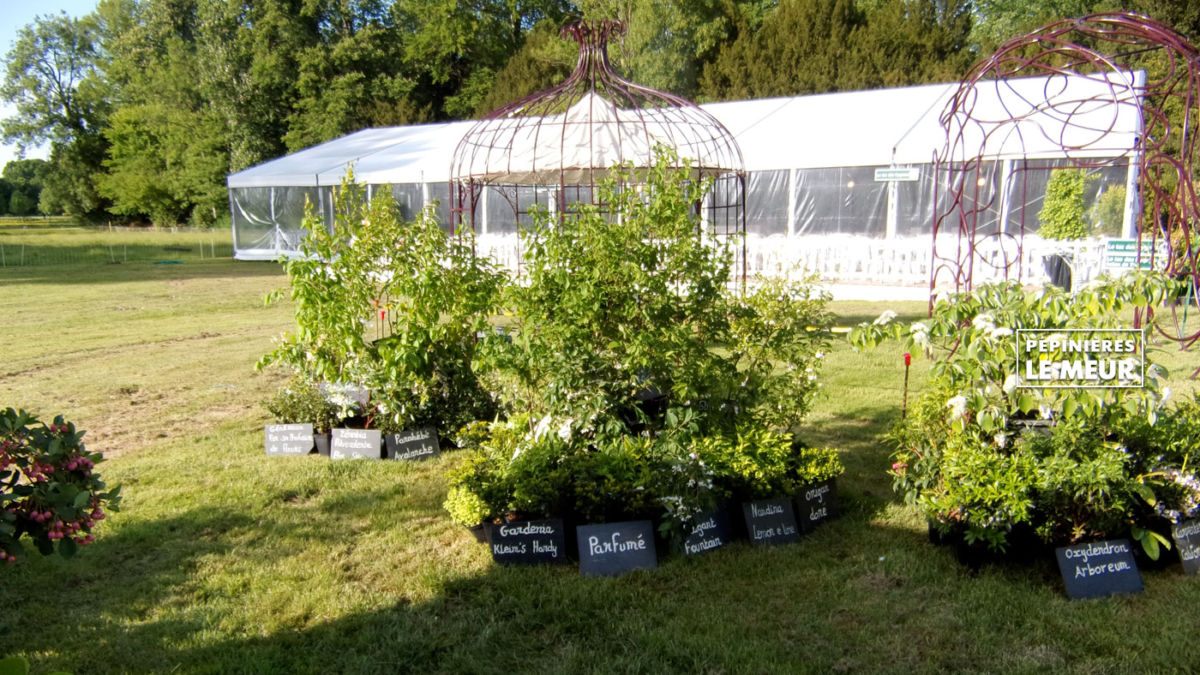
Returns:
(551,149)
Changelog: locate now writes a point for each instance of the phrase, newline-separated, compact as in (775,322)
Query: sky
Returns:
(14,14)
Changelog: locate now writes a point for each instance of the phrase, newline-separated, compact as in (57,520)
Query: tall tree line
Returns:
(148,104)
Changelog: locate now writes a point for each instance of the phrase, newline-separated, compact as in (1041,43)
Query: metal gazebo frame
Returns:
(1110,50)
(553,148)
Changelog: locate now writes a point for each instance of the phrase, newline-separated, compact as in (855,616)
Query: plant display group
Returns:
(630,378)
(989,455)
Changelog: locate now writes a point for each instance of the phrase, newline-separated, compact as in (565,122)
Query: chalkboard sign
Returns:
(413,445)
(1099,569)
(713,530)
(1187,541)
(528,542)
(288,439)
(355,444)
(612,549)
(816,503)
(771,522)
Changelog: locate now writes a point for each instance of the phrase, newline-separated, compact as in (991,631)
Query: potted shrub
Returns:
(1105,463)
(301,402)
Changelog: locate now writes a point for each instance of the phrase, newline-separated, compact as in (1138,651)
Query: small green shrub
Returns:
(1063,211)
(301,402)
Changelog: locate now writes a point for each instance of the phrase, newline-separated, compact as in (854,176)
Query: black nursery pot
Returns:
(322,441)
(479,531)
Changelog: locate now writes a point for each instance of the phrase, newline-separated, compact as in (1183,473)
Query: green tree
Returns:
(25,179)
(52,81)
(5,195)
(1062,214)
(803,47)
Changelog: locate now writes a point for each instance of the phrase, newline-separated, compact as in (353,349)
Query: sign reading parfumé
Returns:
(771,522)
(815,504)
(528,542)
(612,549)
(1099,569)
(712,531)
(1187,541)
(413,445)
(288,439)
(355,444)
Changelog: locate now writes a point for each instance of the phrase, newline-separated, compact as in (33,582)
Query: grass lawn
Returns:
(224,560)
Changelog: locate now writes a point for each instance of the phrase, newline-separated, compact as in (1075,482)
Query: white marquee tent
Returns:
(814,196)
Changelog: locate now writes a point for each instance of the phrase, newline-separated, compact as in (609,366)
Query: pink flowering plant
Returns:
(49,489)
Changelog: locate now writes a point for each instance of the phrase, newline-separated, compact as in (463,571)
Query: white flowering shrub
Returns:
(633,354)
(984,452)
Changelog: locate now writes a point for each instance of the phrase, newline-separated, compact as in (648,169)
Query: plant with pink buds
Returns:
(48,491)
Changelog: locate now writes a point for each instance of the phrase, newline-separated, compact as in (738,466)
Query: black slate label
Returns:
(528,542)
(355,444)
(414,445)
(713,530)
(612,549)
(1099,569)
(288,439)
(1187,541)
(816,503)
(771,522)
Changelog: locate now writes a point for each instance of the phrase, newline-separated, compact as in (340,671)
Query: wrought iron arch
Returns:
(553,148)
(1116,88)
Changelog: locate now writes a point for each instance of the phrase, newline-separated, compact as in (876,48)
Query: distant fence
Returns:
(41,245)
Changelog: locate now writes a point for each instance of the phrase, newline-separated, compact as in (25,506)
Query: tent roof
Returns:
(860,128)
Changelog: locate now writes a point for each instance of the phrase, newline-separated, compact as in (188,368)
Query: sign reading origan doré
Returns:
(815,504)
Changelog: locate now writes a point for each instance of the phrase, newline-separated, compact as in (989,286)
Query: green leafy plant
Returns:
(640,383)
(301,402)
(49,491)
(983,452)
(1063,214)
(393,306)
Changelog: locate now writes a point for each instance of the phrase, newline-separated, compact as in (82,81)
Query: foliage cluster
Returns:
(1064,212)
(391,306)
(637,381)
(49,491)
(985,453)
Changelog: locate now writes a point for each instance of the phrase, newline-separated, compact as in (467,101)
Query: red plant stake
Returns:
(904,405)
